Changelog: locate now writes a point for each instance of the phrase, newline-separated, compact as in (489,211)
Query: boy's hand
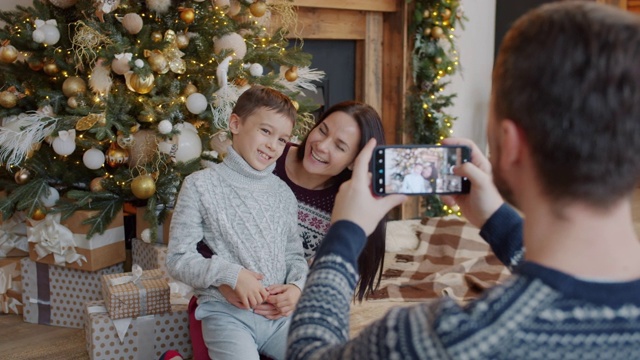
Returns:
(249,290)
(284,297)
(268,310)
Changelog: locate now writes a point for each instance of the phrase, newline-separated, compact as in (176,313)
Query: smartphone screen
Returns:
(418,169)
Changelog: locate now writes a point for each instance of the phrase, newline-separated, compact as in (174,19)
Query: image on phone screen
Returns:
(419,169)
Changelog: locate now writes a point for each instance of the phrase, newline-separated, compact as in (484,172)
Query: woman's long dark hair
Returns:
(372,256)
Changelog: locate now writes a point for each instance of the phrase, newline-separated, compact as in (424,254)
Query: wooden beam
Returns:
(327,24)
(372,70)
(364,5)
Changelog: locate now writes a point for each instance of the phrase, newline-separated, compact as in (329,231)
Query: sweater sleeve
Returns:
(297,267)
(320,325)
(184,263)
(503,232)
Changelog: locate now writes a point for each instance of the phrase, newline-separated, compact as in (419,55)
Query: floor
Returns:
(20,340)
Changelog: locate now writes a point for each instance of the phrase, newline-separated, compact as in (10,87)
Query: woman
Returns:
(430,175)
(314,171)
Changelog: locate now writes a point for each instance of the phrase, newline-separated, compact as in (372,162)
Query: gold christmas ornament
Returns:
(87,122)
(437,32)
(22,176)
(35,64)
(8,99)
(187,15)
(446,14)
(295,104)
(258,8)
(73,102)
(96,185)
(426,13)
(140,83)
(116,156)
(438,60)
(51,69)
(8,54)
(427,31)
(38,214)
(143,187)
(291,74)
(240,82)
(158,62)
(73,86)
(189,89)
(156,36)
(182,40)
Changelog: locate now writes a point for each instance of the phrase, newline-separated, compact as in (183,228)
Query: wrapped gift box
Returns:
(150,256)
(55,295)
(138,293)
(142,338)
(10,286)
(97,252)
(162,229)
(13,236)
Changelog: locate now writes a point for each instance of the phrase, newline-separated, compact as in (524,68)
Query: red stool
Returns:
(200,351)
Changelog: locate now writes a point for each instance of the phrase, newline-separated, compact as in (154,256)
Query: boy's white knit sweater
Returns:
(247,217)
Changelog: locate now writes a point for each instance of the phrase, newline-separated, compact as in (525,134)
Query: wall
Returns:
(472,85)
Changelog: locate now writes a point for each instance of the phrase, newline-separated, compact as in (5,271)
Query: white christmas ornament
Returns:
(145,235)
(256,70)
(46,32)
(65,143)
(159,6)
(100,81)
(139,63)
(165,127)
(184,146)
(133,23)
(50,199)
(63,4)
(93,159)
(232,41)
(196,103)
(120,65)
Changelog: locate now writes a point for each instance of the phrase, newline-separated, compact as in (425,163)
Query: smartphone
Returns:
(419,169)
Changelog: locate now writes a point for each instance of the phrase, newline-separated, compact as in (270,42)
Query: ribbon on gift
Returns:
(136,277)
(145,331)
(13,234)
(8,301)
(51,237)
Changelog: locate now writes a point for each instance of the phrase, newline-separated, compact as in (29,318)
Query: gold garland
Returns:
(85,40)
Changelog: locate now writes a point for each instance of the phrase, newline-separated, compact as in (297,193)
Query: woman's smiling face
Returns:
(332,145)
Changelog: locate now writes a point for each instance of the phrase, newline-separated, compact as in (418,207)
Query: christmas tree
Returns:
(113,101)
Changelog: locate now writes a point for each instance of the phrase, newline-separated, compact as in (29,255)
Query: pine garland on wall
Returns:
(434,57)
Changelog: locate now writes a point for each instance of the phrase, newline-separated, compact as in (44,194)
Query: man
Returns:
(564,135)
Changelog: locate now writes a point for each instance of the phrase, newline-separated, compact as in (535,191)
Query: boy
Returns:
(249,217)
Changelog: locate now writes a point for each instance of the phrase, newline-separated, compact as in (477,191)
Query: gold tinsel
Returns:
(287,17)
(305,123)
(85,43)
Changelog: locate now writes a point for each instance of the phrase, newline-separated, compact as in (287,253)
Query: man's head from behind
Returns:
(261,125)
(568,76)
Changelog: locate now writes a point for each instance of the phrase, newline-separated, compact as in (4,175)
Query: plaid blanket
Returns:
(451,259)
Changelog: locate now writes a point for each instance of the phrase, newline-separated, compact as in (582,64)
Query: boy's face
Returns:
(260,138)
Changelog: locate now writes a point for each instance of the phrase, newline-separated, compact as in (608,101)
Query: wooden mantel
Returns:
(379,29)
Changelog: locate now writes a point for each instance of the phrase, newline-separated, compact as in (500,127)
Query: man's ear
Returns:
(512,143)
(234,123)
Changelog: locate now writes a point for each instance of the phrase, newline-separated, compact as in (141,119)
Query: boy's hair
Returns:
(258,97)
(568,74)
